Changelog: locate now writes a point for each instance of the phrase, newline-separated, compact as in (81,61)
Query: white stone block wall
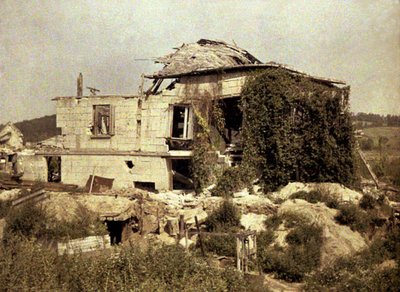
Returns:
(76,169)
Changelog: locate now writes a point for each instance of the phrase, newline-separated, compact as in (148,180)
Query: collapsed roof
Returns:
(206,56)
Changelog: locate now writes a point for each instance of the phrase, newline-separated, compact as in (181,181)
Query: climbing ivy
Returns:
(295,128)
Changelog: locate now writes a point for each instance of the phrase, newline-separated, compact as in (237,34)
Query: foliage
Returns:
(26,265)
(283,141)
(289,219)
(203,159)
(367,202)
(366,144)
(229,182)
(28,220)
(300,257)
(357,219)
(316,196)
(225,218)
(84,223)
(224,245)
(363,271)
(34,221)
(5,206)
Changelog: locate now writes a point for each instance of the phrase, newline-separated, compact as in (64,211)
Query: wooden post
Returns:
(181,227)
(200,240)
(237,254)
(186,239)
(141,217)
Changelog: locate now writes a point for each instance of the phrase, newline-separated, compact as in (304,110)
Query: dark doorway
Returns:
(182,174)
(115,230)
(53,168)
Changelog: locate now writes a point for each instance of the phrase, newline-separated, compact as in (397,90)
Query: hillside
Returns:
(38,129)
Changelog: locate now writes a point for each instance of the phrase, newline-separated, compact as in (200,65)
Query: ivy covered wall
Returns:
(295,129)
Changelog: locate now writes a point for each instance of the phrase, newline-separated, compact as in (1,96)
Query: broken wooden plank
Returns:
(35,195)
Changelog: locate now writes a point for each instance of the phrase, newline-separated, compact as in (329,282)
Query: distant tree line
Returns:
(376,120)
(39,129)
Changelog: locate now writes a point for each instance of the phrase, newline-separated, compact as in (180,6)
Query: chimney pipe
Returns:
(80,85)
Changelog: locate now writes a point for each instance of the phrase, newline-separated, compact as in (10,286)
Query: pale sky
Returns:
(45,44)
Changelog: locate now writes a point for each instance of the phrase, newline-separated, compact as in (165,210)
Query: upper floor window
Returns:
(181,122)
(103,120)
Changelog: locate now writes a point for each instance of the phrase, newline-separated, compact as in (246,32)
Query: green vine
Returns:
(295,129)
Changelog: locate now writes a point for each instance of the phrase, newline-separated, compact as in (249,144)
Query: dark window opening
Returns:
(53,168)
(129,163)
(233,117)
(148,186)
(103,120)
(182,175)
(180,122)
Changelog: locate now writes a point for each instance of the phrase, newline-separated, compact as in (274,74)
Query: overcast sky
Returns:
(45,44)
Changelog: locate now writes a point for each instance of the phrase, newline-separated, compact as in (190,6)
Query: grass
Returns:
(392,133)
(26,265)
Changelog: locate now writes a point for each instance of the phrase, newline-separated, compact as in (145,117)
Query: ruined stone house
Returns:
(144,140)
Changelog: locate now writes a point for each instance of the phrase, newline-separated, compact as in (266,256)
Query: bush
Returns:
(225,218)
(28,220)
(224,245)
(27,265)
(300,257)
(367,202)
(353,217)
(316,196)
(33,221)
(356,219)
(366,144)
(4,208)
(361,272)
(229,182)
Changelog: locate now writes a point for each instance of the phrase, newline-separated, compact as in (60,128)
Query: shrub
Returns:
(353,217)
(316,196)
(226,217)
(4,208)
(229,182)
(361,272)
(302,254)
(224,245)
(26,265)
(356,219)
(366,144)
(367,202)
(33,221)
(28,220)
(300,257)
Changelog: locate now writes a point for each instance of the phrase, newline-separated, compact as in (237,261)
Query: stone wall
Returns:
(35,167)
(76,169)
(141,126)
(75,118)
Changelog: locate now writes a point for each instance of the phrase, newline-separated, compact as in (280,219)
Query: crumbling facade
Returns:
(145,140)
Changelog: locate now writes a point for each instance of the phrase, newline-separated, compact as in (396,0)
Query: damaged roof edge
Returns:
(249,66)
(95,96)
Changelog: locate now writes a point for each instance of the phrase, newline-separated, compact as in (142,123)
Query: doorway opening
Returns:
(53,168)
(182,174)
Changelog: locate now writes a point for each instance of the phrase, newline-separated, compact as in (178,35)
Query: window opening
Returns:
(180,122)
(103,120)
